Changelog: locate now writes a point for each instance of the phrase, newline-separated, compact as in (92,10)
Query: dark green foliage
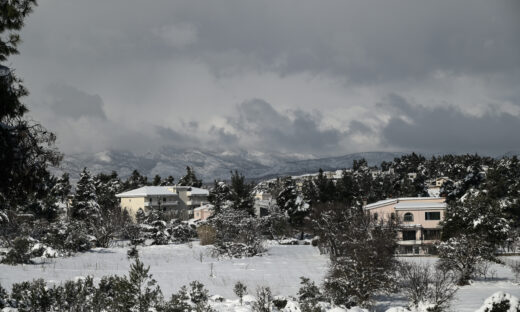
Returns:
(219,195)
(241,194)
(291,203)
(20,252)
(309,295)
(27,149)
(240,290)
(361,251)
(190,179)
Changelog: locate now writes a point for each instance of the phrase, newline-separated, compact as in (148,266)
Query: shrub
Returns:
(240,290)
(20,252)
(427,285)
(500,302)
(206,234)
(264,300)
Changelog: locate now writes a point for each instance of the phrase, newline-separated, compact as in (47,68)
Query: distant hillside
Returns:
(210,165)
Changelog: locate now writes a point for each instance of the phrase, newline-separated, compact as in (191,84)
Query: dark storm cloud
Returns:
(297,131)
(71,102)
(160,62)
(176,138)
(449,129)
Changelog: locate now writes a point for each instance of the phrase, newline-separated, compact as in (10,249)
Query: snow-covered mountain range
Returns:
(210,165)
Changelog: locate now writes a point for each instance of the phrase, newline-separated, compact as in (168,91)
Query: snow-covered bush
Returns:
(309,296)
(182,232)
(500,302)
(264,300)
(361,252)
(20,251)
(425,285)
(240,290)
(462,254)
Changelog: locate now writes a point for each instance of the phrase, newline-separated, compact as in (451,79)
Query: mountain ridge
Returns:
(210,165)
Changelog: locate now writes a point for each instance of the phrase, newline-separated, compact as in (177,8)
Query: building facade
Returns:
(178,201)
(419,219)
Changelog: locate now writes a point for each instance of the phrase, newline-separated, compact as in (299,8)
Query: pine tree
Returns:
(291,202)
(62,188)
(156,180)
(241,194)
(84,205)
(190,179)
(27,149)
(135,180)
(218,196)
(169,181)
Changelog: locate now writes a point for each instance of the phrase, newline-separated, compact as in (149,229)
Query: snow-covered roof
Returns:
(425,200)
(202,207)
(199,191)
(148,191)
(419,206)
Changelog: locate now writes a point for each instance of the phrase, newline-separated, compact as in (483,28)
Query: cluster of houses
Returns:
(419,217)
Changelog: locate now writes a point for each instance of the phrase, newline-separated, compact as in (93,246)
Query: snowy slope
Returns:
(210,165)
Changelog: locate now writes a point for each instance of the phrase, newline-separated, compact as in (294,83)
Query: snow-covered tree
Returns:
(463,253)
(190,179)
(241,195)
(291,202)
(219,196)
(361,252)
(84,204)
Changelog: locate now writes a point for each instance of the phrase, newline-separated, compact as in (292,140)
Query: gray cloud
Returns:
(173,71)
(448,129)
(297,131)
(69,101)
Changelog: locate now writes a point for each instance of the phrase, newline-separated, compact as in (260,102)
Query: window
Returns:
(376,216)
(164,199)
(392,216)
(408,235)
(432,215)
(432,234)
(408,217)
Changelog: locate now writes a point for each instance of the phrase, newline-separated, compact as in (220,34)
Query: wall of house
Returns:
(419,217)
(132,204)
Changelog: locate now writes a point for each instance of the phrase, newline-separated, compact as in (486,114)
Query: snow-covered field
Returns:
(280,269)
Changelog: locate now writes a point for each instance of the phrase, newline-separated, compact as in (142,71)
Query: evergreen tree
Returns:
(84,204)
(27,149)
(218,196)
(62,188)
(190,179)
(135,180)
(156,180)
(241,194)
(169,181)
(291,202)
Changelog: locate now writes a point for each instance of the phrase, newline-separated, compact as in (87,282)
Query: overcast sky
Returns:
(303,77)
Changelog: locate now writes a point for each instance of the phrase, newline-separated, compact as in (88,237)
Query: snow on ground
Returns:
(280,269)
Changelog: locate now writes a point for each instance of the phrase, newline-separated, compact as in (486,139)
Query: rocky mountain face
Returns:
(210,165)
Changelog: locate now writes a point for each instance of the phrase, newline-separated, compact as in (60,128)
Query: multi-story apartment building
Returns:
(419,219)
(179,199)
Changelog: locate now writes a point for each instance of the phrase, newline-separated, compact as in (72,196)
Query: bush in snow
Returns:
(309,296)
(3,297)
(264,300)
(182,232)
(361,252)
(20,251)
(426,285)
(207,234)
(500,302)
(240,290)
(463,254)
